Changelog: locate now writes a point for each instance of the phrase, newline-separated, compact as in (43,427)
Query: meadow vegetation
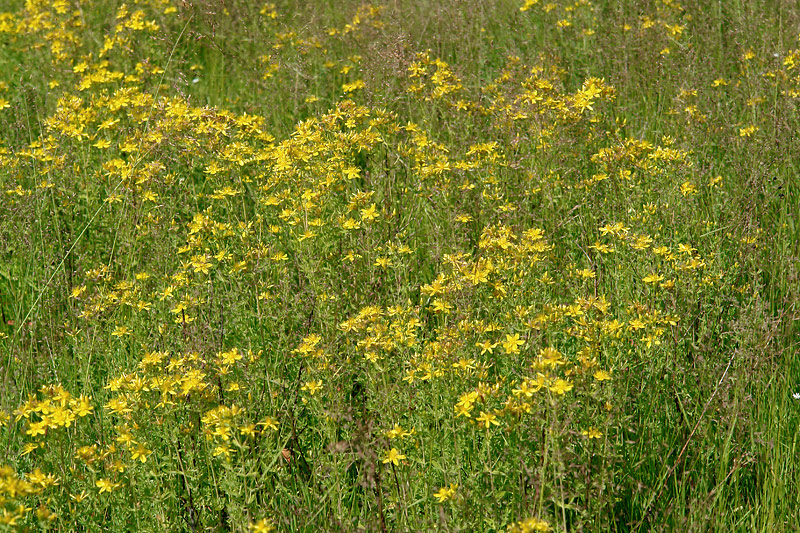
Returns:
(404,266)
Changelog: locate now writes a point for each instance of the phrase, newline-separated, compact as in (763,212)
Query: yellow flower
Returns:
(530,525)
(307,234)
(36,428)
(270,423)
(592,433)
(140,453)
(524,389)
(653,278)
(486,346)
(748,131)
(512,343)
(551,357)
(222,450)
(688,188)
(393,457)
(312,387)
(602,375)
(262,526)
(445,493)
(351,224)
(77,291)
(106,485)
(398,431)
(82,495)
(463,410)
(440,306)
(487,419)
(120,331)
(561,386)
(29,448)
(369,214)
(82,407)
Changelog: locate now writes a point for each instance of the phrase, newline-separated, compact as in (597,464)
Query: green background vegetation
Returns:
(451,265)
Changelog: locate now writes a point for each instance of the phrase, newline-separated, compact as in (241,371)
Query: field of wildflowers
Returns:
(402,266)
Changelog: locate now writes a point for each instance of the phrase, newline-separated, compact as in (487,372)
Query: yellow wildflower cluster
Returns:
(446,297)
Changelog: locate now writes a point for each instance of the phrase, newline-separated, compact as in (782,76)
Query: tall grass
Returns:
(516,266)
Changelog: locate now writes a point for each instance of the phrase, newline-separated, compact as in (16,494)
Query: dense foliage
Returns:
(504,266)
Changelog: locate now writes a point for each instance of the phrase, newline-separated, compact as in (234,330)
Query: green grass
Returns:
(399,266)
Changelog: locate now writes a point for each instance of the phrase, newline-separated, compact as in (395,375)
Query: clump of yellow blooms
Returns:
(366,305)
